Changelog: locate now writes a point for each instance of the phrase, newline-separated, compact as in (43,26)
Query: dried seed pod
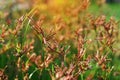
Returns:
(2,75)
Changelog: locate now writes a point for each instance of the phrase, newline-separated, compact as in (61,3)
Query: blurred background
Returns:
(12,9)
(21,5)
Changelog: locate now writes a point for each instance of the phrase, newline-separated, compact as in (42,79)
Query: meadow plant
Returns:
(58,43)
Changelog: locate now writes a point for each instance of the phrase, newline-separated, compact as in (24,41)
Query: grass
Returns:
(79,42)
(106,9)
